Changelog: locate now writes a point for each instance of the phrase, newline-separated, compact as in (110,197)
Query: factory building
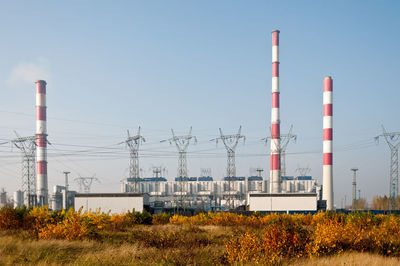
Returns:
(283,202)
(61,198)
(115,203)
(18,198)
(3,198)
(279,193)
(207,194)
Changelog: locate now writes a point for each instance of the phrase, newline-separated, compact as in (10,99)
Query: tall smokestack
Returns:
(41,142)
(275,169)
(327,193)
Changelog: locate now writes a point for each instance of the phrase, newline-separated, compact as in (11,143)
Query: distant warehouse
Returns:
(283,202)
(113,202)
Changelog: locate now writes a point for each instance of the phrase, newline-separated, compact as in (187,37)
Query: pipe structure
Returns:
(327,171)
(41,142)
(354,187)
(275,168)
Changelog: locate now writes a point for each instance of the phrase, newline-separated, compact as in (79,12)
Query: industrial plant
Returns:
(280,193)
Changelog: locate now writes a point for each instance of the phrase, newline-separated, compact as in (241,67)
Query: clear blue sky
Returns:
(114,65)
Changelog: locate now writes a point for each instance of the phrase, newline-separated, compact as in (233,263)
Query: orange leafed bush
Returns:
(257,238)
(9,218)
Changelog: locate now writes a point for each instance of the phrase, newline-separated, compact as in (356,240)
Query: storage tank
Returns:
(3,197)
(18,198)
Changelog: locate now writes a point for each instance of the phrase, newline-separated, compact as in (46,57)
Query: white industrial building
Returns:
(61,198)
(283,202)
(18,198)
(111,202)
(207,194)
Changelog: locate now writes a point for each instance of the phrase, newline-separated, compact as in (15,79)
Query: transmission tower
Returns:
(85,183)
(182,144)
(303,171)
(133,143)
(230,143)
(205,172)
(285,139)
(27,145)
(393,141)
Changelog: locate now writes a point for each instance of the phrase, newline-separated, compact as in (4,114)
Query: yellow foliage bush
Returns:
(257,238)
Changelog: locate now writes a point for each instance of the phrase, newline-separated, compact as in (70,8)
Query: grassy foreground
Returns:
(141,245)
(40,236)
(151,245)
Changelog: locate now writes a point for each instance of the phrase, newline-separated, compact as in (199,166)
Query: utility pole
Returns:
(85,183)
(393,141)
(133,143)
(284,139)
(354,186)
(66,205)
(230,143)
(27,145)
(182,144)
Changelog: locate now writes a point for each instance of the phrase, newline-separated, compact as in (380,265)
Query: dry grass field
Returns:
(41,237)
(202,246)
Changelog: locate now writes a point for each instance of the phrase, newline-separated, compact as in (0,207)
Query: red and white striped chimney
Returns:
(275,169)
(327,173)
(41,142)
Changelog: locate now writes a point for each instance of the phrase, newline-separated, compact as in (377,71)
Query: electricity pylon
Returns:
(182,144)
(205,172)
(393,141)
(303,171)
(27,145)
(285,139)
(230,143)
(85,183)
(133,143)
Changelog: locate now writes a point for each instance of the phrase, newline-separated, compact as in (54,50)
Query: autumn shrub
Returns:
(257,238)
(162,218)
(135,217)
(285,240)
(118,222)
(327,238)
(73,226)
(179,220)
(9,218)
(386,236)
(37,219)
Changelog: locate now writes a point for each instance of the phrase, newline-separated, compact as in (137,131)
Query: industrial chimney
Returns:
(327,193)
(275,169)
(41,142)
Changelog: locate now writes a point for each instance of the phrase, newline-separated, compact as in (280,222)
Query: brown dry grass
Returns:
(356,259)
(149,245)
(143,245)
